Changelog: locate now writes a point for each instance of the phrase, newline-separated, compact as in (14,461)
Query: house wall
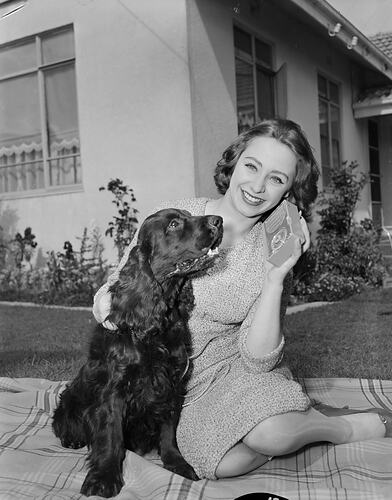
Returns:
(157,99)
(134,110)
(305,54)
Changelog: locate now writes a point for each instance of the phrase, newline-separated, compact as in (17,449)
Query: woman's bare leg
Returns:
(240,460)
(289,432)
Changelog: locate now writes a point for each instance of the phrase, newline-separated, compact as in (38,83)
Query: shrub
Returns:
(69,278)
(346,257)
(123,226)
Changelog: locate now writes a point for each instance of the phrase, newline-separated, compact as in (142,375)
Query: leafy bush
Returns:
(69,278)
(72,278)
(123,226)
(346,257)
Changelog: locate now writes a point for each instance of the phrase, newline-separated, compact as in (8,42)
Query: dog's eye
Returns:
(173,224)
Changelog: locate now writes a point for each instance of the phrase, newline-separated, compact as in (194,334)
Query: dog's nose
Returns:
(215,220)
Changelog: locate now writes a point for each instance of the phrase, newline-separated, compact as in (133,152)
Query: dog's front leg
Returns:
(170,454)
(107,450)
(67,421)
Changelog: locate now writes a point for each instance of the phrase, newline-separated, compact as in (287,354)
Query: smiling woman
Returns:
(242,405)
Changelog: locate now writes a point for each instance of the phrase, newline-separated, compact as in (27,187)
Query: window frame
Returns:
(338,106)
(257,64)
(40,69)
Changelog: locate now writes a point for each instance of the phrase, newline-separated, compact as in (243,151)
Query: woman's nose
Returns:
(259,185)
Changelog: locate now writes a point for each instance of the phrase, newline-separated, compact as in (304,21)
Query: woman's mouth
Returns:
(251,199)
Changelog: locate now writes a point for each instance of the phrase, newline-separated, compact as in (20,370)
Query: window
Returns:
(374,163)
(329,121)
(255,80)
(39,133)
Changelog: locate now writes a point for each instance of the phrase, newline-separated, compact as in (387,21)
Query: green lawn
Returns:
(352,338)
(42,342)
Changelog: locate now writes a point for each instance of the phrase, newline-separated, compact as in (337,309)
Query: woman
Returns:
(242,406)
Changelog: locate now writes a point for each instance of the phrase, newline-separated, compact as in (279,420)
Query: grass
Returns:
(42,342)
(352,338)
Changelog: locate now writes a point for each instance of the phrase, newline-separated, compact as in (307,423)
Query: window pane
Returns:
(67,170)
(264,53)
(20,135)
(63,130)
(335,153)
(265,95)
(245,95)
(334,92)
(374,161)
(324,133)
(61,103)
(57,47)
(322,86)
(373,133)
(326,175)
(376,215)
(17,58)
(242,41)
(335,133)
(335,122)
(375,188)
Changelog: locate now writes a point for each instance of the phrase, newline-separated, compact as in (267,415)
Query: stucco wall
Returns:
(134,109)
(213,91)
(157,99)
(305,54)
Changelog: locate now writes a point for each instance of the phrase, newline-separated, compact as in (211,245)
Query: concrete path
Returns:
(290,309)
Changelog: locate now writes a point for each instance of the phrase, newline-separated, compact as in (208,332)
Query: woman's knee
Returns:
(269,438)
(239,460)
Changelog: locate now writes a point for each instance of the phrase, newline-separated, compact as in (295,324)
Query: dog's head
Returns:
(176,243)
(172,244)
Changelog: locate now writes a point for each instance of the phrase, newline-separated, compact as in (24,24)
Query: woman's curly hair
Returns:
(304,189)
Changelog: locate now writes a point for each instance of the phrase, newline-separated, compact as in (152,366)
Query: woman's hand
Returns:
(276,274)
(102,307)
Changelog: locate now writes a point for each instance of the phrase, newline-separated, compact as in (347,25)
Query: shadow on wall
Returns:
(8,221)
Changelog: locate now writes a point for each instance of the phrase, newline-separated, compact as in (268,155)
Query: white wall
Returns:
(134,109)
(213,91)
(305,54)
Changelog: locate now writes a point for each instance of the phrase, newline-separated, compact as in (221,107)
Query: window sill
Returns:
(38,193)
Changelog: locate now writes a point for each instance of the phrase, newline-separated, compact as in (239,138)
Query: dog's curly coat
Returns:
(128,395)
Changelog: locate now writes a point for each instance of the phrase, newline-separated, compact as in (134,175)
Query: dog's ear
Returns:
(137,298)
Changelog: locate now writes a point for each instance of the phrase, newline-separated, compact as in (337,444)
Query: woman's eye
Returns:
(251,166)
(276,179)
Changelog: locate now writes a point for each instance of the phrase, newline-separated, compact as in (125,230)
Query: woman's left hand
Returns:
(301,244)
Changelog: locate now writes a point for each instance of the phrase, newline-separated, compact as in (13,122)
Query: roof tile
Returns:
(383,41)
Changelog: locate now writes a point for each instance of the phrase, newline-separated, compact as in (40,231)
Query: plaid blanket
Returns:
(33,465)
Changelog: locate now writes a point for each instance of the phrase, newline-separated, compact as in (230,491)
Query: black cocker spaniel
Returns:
(129,393)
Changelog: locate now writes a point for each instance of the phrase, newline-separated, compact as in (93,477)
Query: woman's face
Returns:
(264,173)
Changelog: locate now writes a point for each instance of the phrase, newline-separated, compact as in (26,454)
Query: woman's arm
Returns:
(261,338)
(265,332)
(103,298)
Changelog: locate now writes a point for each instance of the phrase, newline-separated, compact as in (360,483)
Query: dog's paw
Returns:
(70,442)
(183,469)
(104,484)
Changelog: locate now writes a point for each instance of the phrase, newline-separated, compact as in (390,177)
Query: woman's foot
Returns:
(383,414)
